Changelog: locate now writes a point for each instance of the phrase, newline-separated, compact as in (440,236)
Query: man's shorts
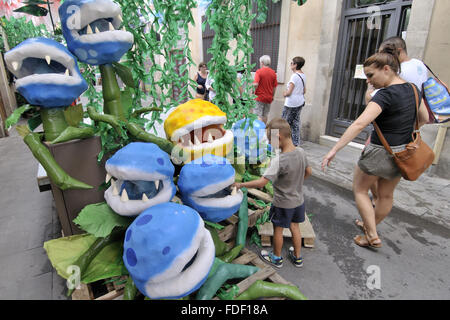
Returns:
(375,160)
(261,109)
(283,217)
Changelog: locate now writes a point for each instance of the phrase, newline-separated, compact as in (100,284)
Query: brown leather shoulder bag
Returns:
(417,156)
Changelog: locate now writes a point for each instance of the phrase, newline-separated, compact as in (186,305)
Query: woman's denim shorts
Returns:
(375,160)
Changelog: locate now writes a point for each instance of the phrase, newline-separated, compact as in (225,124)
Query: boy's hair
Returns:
(201,64)
(265,60)
(299,62)
(281,125)
(397,42)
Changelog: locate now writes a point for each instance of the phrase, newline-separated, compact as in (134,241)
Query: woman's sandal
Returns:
(373,240)
(364,241)
(361,241)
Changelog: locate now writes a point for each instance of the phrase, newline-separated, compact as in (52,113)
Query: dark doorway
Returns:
(364,25)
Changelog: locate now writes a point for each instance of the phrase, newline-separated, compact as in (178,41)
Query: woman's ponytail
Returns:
(391,49)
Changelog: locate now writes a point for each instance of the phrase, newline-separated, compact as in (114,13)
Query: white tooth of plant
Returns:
(210,138)
(108,177)
(197,142)
(89,29)
(48,59)
(114,190)
(144,197)
(120,18)
(96,30)
(190,143)
(233,191)
(67,73)
(157,184)
(111,27)
(15,65)
(123,29)
(124,197)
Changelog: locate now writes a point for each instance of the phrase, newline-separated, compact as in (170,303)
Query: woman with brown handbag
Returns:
(394,109)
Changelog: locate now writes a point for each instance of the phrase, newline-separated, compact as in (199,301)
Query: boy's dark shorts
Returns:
(283,217)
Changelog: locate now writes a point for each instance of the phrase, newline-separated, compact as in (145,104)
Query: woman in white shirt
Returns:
(209,87)
(295,98)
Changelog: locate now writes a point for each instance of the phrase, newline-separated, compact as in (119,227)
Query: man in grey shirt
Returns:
(287,172)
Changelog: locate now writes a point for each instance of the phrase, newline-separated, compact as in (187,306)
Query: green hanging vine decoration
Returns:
(158,40)
(231,19)
(175,19)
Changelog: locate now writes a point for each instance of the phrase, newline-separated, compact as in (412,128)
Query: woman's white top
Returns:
(297,98)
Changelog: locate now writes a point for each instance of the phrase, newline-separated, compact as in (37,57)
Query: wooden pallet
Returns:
(306,230)
(99,291)
(266,230)
(266,272)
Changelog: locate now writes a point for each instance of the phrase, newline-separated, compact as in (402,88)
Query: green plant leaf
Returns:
(99,219)
(124,73)
(64,252)
(126,97)
(74,115)
(33,9)
(15,116)
(35,121)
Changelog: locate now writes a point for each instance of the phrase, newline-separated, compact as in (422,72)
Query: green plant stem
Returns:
(58,176)
(219,245)
(111,92)
(130,290)
(224,272)
(53,121)
(107,118)
(243,220)
(264,289)
(138,112)
(72,133)
(232,254)
(140,134)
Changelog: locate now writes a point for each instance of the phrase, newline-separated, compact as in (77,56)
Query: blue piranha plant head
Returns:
(251,141)
(205,186)
(141,176)
(91,29)
(168,252)
(47,73)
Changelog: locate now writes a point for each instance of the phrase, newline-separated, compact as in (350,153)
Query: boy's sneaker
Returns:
(269,257)
(298,262)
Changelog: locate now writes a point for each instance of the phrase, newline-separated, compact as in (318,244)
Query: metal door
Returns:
(364,26)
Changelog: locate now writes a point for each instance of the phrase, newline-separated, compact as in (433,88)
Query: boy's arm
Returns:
(308,172)
(260,183)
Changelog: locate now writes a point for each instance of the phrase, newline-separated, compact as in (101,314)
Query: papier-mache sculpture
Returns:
(251,141)
(47,73)
(48,77)
(205,185)
(141,176)
(91,29)
(168,252)
(196,127)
